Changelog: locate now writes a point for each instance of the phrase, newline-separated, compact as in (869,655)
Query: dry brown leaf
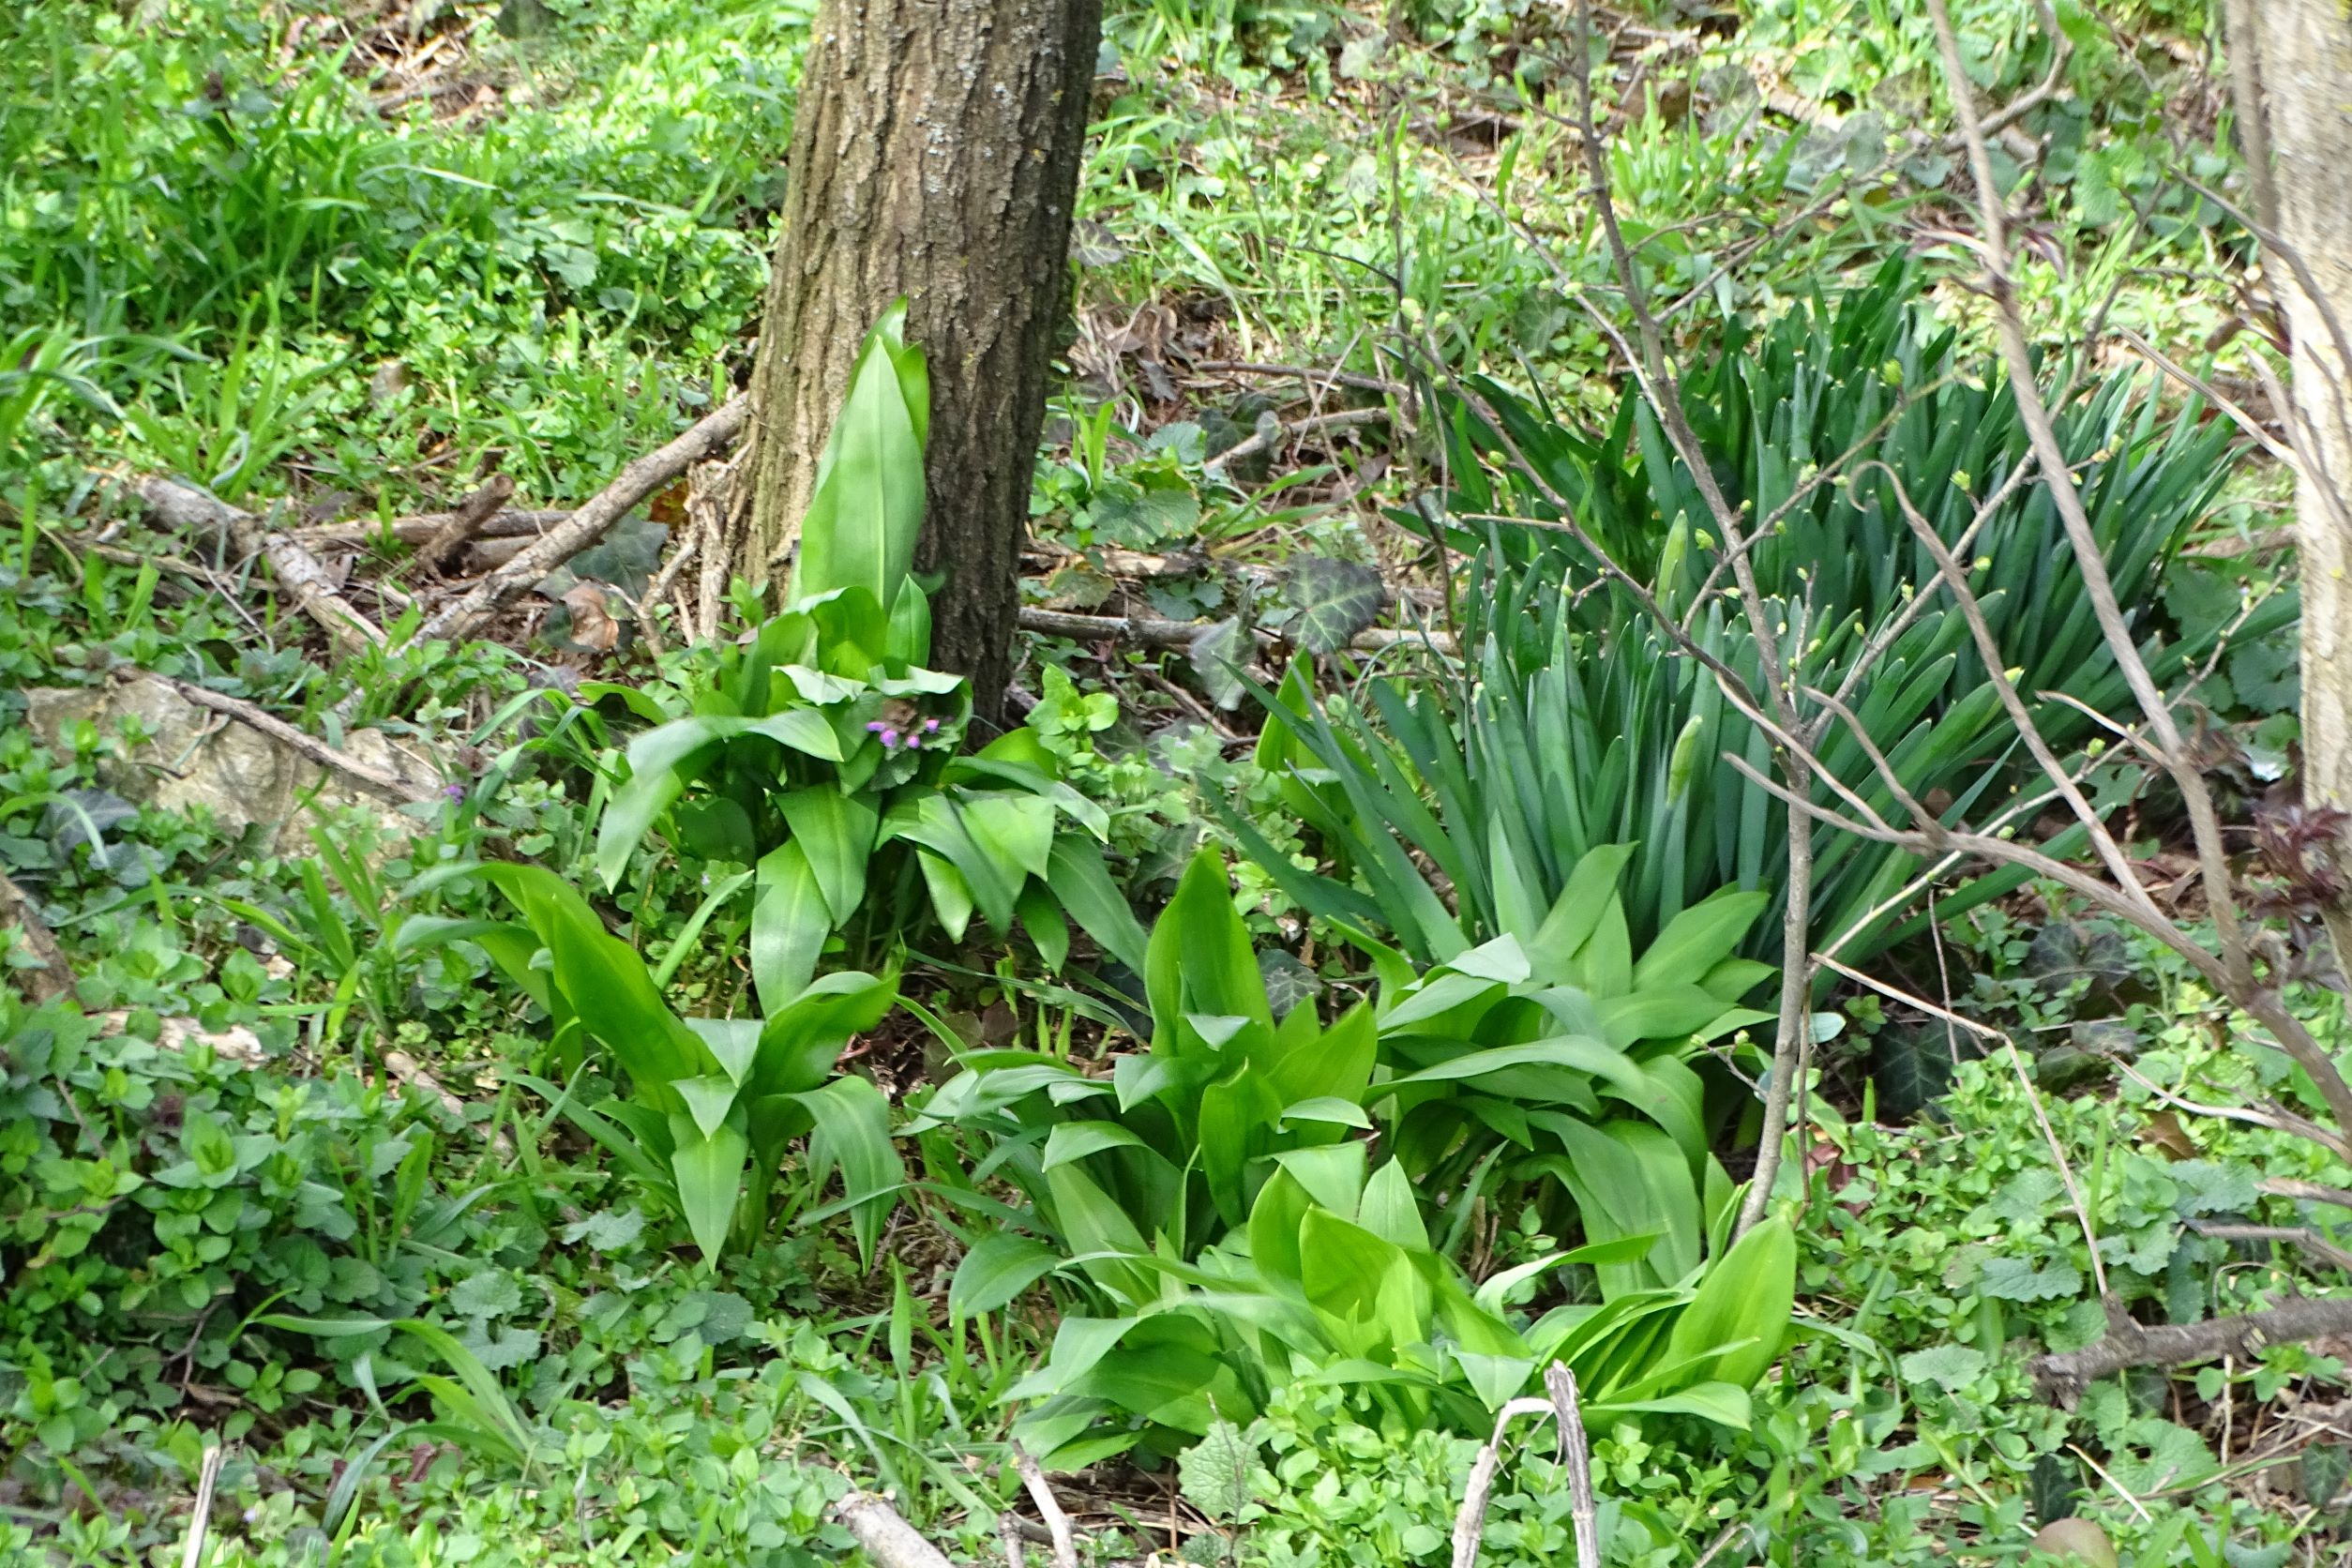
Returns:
(593,626)
(2163,1130)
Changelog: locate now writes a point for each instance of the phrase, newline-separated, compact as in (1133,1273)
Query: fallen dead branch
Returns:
(1152,632)
(2063,1377)
(1305,372)
(510,523)
(54,977)
(588,524)
(296,569)
(1270,433)
(889,1539)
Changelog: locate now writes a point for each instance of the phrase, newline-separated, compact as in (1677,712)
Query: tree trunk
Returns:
(2291,70)
(935,155)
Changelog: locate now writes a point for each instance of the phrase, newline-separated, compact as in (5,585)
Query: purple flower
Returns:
(915,743)
(874,727)
(889,737)
(931,726)
(454,791)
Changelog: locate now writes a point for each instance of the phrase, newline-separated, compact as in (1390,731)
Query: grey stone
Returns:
(192,759)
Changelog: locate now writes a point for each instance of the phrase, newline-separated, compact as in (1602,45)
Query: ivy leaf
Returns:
(2173,1456)
(1910,1065)
(608,1229)
(1213,1473)
(1335,599)
(1289,981)
(2026,1199)
(1220,651)
(487,1294)
(2014,1279)
(1950,1367)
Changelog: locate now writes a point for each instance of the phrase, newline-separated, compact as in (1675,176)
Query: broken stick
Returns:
(511,522)
(465,523)
(888,1540)
(1155,633)
(588,524)
(296,569)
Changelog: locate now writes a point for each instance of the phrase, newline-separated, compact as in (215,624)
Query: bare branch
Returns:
(2205,822)
(2063,1377)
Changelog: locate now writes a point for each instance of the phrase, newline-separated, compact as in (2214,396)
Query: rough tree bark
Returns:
(935,156)
(2291,83)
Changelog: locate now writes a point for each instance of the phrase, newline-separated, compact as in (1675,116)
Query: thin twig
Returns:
(513,522)
(2235,959)
(1665,396)
(2301,1235)
(1048,1507)
(200,1518)
(1583,1516)
(1152,632)
(1306,372)
(388,785)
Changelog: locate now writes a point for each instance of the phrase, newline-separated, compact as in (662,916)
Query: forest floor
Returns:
(339,264)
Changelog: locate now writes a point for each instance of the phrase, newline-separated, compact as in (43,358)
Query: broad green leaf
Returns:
(1696,940)
(1724,1404)
(1586,1056)
(1746,1295)
(1390,1210)
(708,1169)
(866,511)
(1075,872)
(1200,959)
(1496,1379)
(1015,831)
(836,834)
(1330,1108)
(1578,908)
(1075,1140)
(733,1043)
(851,1133)
(1041,917)
(708,1100)
(951,895)
(790,924)
(800,1041)
(1663,1012)
(995,1271)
